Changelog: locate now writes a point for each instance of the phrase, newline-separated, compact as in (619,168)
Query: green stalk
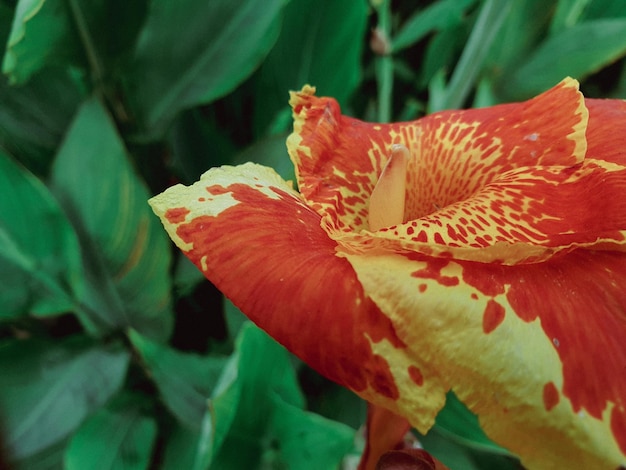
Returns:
(490,19)
(384,65)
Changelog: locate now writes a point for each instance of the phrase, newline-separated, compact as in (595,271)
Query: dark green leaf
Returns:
(456,421)
(306,441)
(317,36)
(41,266)
(270,151)
(269,407)
(605,9)
(126,251)
(577,52)
(47,389)
(118,436)
(34,116)
(567,14)
(442,15)
(41,34)
(194,51)
(185,381)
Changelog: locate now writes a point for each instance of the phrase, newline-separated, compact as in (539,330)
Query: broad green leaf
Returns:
(462,426)
(441,15)
(567,14)
(39,253)
(126,252)
(441,53)
(307,441)
(34,116)
(605,9)
(580,50)
(270,408)
(321,43)
(186,448)
(270,151)
(193,51)
(118,436)
(47,389)
(41,33)
(185,381)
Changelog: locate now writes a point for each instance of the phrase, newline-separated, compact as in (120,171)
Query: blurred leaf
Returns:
(117,436)
(270,151)
(461,425)
(524,27)
(441,15)
(185,448)
(34,116)
(126,251)
(441,53)
(185,381)
(198,144)
(194,51)
(580,50)
(41,33)
(317,37)
(605,9)
(491,16)
(47,389)
(41,266)
(568,13)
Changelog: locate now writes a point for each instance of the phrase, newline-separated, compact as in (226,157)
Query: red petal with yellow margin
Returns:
(252,236)
(505,184)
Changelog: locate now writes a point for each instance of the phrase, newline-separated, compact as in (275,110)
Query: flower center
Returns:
(387,201)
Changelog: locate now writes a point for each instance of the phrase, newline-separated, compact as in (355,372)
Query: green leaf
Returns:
(118,436)
(318,36)
(185,381)
(306,441)
(39,253)
(445,14)
(34,116)
(126,251)
(47,389)
(41,34)
(568,13)
(461,425)
(270,151)
(194,51)
(270,408)
(581,50)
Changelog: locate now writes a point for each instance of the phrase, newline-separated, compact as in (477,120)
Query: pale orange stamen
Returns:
(388,198)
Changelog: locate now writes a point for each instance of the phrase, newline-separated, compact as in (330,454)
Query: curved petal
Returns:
(503,184)
(535,350)
(255,239)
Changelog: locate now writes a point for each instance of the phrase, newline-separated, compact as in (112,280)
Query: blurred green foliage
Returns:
(114,352)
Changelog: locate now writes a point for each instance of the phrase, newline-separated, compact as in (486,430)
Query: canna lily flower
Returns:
(481,251)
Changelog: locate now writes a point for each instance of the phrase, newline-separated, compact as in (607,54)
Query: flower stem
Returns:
(489,21)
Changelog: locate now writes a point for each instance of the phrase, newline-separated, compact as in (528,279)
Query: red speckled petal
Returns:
(537,351)
(255,239)
(503,184)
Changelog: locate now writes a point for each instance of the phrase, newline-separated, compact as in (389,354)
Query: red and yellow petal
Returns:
(254,237)
(535,350)
(506,184)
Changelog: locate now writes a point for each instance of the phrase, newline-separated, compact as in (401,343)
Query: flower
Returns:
(481,251)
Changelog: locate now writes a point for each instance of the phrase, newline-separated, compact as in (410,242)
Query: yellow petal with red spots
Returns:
(505,184)
(535,350)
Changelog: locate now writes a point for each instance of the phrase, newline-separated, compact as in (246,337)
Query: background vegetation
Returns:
(114,352)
